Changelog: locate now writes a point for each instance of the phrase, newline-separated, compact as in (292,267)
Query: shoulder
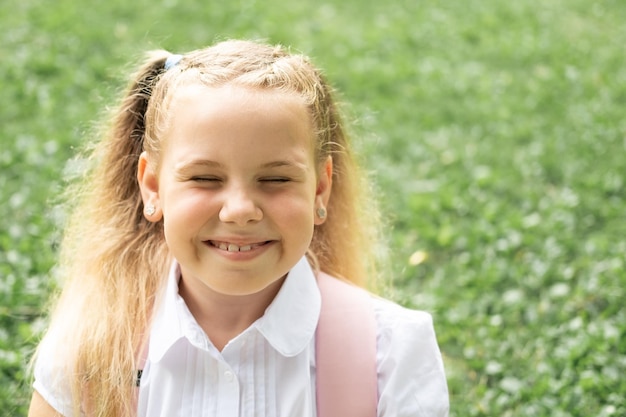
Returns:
(406,334)
(411,378)
(392,317)
(51,380)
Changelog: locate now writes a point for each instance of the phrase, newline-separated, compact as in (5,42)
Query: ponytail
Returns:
(112,259)
(128,133)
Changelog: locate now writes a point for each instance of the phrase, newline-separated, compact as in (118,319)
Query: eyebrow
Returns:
(206,163)
(196,163)
(283,163)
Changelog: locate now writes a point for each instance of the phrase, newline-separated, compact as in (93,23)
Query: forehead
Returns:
(232,116)
(198,102)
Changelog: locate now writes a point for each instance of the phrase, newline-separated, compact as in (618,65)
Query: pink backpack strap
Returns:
(346,371)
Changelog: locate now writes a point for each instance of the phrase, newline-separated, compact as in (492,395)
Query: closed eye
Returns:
(205,179)
(277,180)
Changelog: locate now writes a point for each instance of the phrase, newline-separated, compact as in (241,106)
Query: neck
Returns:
(221,316)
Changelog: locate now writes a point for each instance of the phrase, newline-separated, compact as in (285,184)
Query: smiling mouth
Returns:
(231,247)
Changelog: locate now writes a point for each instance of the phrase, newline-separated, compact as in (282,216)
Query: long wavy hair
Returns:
(114,262)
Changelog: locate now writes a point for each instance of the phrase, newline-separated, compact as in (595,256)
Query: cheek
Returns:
(187,207)
(296,215)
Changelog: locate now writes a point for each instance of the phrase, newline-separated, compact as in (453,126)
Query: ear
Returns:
(324,186)
(149,186)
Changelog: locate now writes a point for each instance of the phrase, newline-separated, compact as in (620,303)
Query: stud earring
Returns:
(149,210)
(321,212)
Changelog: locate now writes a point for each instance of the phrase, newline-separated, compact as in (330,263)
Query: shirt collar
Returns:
(289,323)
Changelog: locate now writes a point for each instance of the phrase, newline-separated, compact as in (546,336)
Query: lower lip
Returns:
(241,256)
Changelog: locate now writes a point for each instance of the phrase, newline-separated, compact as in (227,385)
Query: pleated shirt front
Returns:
(264,371)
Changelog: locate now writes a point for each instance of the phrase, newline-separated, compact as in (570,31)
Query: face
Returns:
(237,186)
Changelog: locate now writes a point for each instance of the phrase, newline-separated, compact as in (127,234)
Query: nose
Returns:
(239,207)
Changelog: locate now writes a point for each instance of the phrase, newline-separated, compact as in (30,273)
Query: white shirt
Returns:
(269,369)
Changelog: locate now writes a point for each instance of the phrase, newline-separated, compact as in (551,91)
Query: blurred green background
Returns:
(495,131)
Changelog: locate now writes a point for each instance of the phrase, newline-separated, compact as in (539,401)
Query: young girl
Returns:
(223,193)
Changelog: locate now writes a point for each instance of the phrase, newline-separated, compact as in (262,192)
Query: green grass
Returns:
(494,128)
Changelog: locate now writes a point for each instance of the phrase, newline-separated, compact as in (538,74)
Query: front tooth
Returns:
(233,248)
(245,248)
(223,246)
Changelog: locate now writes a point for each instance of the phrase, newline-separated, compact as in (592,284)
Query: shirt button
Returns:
(229,376)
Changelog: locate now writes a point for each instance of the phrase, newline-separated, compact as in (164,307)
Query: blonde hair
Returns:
(114,262)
